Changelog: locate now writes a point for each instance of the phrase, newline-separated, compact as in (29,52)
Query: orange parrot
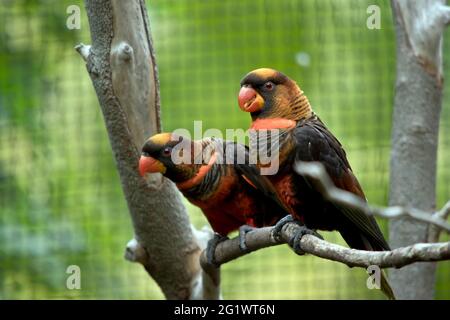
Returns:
(228,199)
(274,101)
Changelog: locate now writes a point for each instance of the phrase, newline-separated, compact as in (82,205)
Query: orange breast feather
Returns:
(228,207)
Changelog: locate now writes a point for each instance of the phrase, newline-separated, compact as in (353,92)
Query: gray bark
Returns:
(263,238)
(418,98)
(122,67)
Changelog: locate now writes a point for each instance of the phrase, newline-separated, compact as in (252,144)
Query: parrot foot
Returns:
(211,249)
(276,232)
(295,242)
(243,230)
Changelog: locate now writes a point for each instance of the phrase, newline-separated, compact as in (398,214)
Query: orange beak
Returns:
(150,165)
(250,100)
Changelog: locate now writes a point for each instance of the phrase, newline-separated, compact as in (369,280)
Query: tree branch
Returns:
(207,284)
(423,23)
(419,28)
(83,50)
(444,15)
(397,258)
(123,71)
(433,230)
(263,237)
(315,172)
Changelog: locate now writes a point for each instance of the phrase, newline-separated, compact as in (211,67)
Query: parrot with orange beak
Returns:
(229,200)
(275,101)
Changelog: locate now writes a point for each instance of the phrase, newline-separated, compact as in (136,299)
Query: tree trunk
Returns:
(417,106)
(122,67)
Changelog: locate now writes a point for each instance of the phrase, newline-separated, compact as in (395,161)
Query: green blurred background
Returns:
(61,202)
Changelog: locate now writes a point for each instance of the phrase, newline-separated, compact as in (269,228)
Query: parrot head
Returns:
(173,156)
(156,156)
(267,93)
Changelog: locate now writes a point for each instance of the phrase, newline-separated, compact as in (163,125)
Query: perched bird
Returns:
(214,183)
(274,101)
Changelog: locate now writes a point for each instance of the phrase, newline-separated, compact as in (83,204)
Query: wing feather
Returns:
(313,142)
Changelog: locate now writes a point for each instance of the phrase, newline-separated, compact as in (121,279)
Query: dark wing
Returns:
(251,174)
(313,142)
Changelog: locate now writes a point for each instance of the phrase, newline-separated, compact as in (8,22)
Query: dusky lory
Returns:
(274,101)
(201,171)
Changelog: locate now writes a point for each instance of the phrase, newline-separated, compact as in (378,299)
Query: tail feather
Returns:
(386,287)
(358,241)
(384,283)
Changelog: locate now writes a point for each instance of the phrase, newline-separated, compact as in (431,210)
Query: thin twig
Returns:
(315,172)
(83,50)
(433,231)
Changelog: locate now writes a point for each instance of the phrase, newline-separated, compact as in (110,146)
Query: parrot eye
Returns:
(269,85)
(167,151)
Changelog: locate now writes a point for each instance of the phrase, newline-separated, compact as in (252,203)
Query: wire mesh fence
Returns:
(60,198)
